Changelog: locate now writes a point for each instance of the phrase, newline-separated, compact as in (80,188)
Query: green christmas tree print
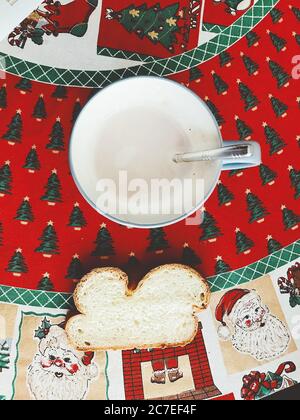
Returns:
(252,39)
(255,208)
(60,93)
(158,241)
(278,42)
(75,269)
(46,284)
(279,107)
(276,15)
(49,241)
(32,162)
(3,97)
(134,269)
(24,86)
(56,143)
(243,129)
(296,11)
(77,219)
(225,59)
(104,244)
(53,190)
(158,25)
(17,264)
(5,179)
(221,266)
(14,132)
(132,262)
(189,256)
(236,172)
(268,176)
(273,139)
(215,111)
(251,66)
(243,243)
(290,218)
(4,356)
(282,77)
(76,110)
(39,112)
(295,180)
(220,85)
(210,230)
(248,97)
(297,37)
(224,195)
(195,75)
(273,245)
(24,212)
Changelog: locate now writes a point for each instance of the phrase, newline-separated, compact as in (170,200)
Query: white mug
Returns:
(123,146)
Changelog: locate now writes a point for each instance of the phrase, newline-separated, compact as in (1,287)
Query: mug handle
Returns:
(254,159)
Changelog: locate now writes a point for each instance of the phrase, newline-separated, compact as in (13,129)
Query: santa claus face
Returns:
(252,315)
(60,362)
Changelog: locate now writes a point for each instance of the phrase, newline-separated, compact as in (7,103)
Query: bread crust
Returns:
(128,292)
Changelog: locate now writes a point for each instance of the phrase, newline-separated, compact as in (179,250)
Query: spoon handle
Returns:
(237,151)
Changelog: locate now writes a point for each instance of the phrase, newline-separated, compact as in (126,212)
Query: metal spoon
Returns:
(237,151)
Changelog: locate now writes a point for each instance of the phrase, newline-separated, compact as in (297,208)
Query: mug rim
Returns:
(150,225)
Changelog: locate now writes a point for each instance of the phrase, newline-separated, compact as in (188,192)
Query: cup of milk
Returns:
(123,146)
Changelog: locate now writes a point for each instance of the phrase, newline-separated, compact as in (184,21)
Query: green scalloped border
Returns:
(224,281)
(162,67)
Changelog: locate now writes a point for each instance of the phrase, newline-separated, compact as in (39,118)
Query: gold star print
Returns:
(269,237)
(219,258)
(46,275)
(76,204)
(19,250)
(26,198)
(153,35)
(58,119)
(75,256)
(134,13)
(171,21)
(103,225)
(248,191)
(186,245)
(7,162)
(132,254)
(50,223)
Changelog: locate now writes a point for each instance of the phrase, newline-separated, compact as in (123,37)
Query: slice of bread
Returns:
(160,312)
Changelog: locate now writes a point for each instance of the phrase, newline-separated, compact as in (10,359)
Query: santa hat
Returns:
(229,304)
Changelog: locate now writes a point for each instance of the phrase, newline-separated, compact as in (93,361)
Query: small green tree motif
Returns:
(273,245)
(297,37)
(255,208)
(189,256)
(3,97)
(75,269)
(290,218)
(296,11)
(276,15)
(32,162)
(14,132)
(104,244)
(46,284)
(53,190)
(243,129)
(248,97)
(295,180)
(5,179)
(158,25)
(274,140)
(215,111)
(17,264)
(221,266)
(57,135)
(39,112)
(209,227)
(132,262)
(236,172)
(76,110)
(282,77)
(24,212)
(225,59)
(77,219)
(158,241)
(220,85)
(251,66)
(224,195)
(24,85)
(4,356)
(279,107)
(268,176)
(252,39)
(195,75)
(49,241)
(278,42)
(243,243)
(60,93)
